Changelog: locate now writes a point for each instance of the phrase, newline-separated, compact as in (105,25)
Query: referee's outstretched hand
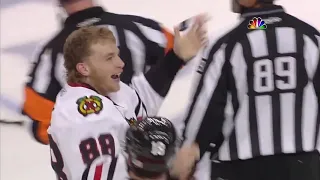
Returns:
(187,45)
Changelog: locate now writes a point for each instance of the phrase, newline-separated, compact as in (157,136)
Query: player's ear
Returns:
(83,69)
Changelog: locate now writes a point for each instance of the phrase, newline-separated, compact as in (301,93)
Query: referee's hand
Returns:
(185,160)
(187,45)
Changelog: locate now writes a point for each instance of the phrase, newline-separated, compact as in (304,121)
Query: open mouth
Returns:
(116,76)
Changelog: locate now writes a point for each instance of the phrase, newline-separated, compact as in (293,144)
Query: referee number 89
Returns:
(269,75)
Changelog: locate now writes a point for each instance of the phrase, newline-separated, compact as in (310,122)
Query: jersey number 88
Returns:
(90,150)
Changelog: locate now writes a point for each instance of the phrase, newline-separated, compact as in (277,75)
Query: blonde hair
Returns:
(78,47)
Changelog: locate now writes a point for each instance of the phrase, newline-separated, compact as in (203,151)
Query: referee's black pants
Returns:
(302,166)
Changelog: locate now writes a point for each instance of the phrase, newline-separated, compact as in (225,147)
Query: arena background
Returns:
(24,23)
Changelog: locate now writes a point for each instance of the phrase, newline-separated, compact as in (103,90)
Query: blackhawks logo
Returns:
(89,105)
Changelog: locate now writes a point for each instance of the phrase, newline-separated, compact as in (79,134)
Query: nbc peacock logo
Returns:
(257,23)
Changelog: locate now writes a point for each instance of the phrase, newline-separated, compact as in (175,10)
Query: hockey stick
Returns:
(8,122)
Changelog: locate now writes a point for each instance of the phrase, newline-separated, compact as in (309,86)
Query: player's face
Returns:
(105,66)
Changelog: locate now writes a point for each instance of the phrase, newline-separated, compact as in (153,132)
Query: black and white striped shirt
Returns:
(142,42)
(259,90)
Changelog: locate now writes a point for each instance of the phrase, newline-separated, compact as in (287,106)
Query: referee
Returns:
(141,43)
(260,89)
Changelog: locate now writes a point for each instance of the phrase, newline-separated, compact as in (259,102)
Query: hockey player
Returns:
(142,42)
(95,108)
(150,147)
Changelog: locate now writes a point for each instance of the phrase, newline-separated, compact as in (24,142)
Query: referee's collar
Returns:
(262,11)
(80,16)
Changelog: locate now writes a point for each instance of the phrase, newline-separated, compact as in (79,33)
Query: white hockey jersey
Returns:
(87,128)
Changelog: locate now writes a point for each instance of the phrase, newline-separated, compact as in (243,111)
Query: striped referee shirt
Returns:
(142,42)
(259,89)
